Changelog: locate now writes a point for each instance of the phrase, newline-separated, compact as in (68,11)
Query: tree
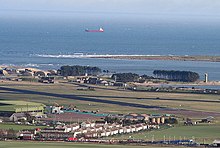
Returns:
(78,70)
(185,76)
(125,77)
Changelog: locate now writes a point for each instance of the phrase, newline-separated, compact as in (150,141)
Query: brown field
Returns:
(71,117)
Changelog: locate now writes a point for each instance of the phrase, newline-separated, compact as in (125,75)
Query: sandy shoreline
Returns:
(156,57)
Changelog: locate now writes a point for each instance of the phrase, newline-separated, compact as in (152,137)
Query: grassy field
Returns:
(13,144)
(197,132)
(199,102)
(17,106)
(18,127)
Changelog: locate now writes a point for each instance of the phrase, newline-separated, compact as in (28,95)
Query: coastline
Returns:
(160,57)
(199,83)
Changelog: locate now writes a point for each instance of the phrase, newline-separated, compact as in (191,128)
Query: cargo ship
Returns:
(100,30)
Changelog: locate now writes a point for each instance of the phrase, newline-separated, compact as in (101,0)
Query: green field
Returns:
(13,144)
(18,127)
(197,132)
(19,106)
(175,100)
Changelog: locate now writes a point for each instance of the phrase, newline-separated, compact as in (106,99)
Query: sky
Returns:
(166,8)
(209,7)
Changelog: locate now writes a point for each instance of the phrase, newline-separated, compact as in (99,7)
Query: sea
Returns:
(49,41)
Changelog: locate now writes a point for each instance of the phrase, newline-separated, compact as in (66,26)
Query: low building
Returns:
(108,133)
(3,72)
(40,73)
(146,117)
(56,109)
(121,130)
(55,135)
(26,135)
(87,124)
(216,143)
(47,80)
(91,135)
(76,133)
(157,119)
(102,133)
(18,117)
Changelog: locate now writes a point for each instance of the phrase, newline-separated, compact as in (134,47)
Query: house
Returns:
(87,124)
(3,72)
(138,128)
(129,117)
(115,131)
(105,83)
(102,133)
(121,130)
(94,80)
(99,127)
(56,109)
(92,129)
(75,126)
(52,72)
(47,79)
(144,126)
(140,117)
(68,128)
(133,128)
(27,73)
(112,131)
(116,125)
(40,73)
(78,132)
(146,117)
(216,143)
(153,126)
(127,129)
(18,117)
(11,71)
(26,135)
(55,134)
(84,130)
(108,133)
(91,135)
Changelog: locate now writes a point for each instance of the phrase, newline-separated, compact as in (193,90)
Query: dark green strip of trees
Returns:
(125,77)
(77,70)
(172,75)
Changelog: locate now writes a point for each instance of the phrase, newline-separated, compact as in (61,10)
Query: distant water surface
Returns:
(21,40)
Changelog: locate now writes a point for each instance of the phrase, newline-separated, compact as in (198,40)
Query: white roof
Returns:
(216,141)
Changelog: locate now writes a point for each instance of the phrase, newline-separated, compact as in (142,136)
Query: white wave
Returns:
(30,65)
(81,55)
(36,65)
